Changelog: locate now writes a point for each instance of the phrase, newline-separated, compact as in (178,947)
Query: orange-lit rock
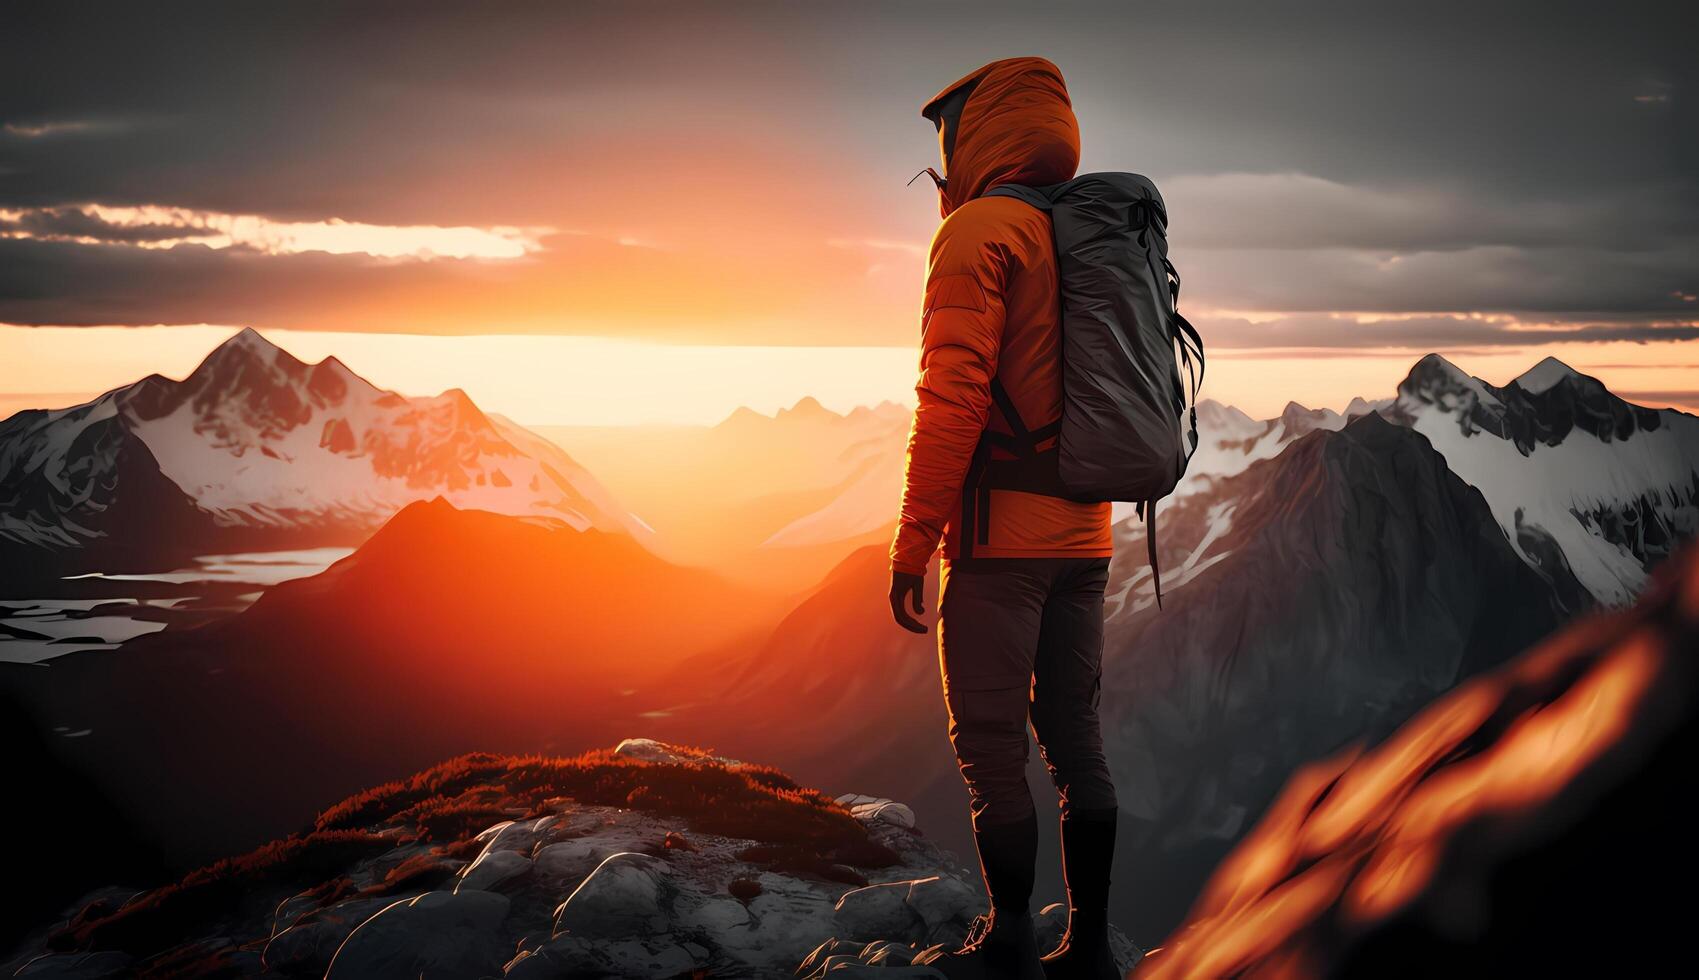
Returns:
(1533,822)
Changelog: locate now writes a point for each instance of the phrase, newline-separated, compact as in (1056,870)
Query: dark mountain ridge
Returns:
(449,631)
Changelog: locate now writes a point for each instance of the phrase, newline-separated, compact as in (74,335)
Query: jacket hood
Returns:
(1010,122)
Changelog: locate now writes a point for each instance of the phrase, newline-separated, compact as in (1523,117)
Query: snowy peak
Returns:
(1556,401)
(1213,416)
(1591,490)
(1435,380)
(260,441)
(1299,420)
(1362,406)
(1544,375)
(246,344)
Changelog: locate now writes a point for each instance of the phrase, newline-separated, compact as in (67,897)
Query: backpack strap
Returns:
(1026,440)
(1022,442)
(1020,192)
(1146,510)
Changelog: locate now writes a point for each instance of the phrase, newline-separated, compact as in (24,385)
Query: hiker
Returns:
(1021,607)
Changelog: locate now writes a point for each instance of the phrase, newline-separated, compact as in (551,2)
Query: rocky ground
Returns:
(647,861)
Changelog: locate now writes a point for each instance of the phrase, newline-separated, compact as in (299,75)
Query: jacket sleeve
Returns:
(961,333)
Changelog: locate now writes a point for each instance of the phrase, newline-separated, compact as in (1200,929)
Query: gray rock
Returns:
(622,897)
(492,870)
(945,904)
(649,750)
(580,957)
(789,918)
(307,945)
(572,860)
(879,912)
(877,809)
(889,812)
(436,936)
(520,835)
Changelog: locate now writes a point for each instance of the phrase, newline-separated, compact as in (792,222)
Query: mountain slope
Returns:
(835,664)
(1534,822)
(77,485)
(1583,483)
(269,452)
(448,631)
(1332,592)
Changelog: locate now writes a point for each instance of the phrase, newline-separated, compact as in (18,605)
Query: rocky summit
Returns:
(648,860)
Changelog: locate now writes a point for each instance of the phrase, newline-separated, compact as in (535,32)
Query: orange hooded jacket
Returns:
(992,310)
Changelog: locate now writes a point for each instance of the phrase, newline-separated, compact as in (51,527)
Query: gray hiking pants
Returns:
(1021,639)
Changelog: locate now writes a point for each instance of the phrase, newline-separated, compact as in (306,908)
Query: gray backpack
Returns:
(1129,421)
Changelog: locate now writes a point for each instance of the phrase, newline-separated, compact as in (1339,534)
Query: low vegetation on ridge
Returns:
(794,829)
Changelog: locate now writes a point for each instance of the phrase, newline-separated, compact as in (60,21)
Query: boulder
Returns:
(946,905)
(773,932)
(492,870)
(435,936)
(649,750)
(307,944)
(572,860)
(877,809)
(624,896)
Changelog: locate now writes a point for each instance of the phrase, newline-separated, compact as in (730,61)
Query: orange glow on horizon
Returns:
(575,380)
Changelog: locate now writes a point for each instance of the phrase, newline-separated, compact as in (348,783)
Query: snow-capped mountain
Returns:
(1587,487)
(1590,490)
(256,445)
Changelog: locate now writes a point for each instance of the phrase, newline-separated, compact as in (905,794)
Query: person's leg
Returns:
(1068,675)
(990,611)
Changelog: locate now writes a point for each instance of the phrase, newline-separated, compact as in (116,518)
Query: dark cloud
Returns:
(1532,159)
(63,283)
(78,224)
(1450,333)
(1488,279)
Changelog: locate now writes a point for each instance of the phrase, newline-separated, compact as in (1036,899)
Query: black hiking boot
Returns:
(1088,848)
(1001,946)
(998,947)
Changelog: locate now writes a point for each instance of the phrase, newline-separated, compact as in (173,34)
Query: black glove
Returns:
(906,589)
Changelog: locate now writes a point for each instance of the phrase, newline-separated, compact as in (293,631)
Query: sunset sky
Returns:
(610,213)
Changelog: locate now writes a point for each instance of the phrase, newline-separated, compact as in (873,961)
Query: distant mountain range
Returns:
(774,500)
(258,449)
